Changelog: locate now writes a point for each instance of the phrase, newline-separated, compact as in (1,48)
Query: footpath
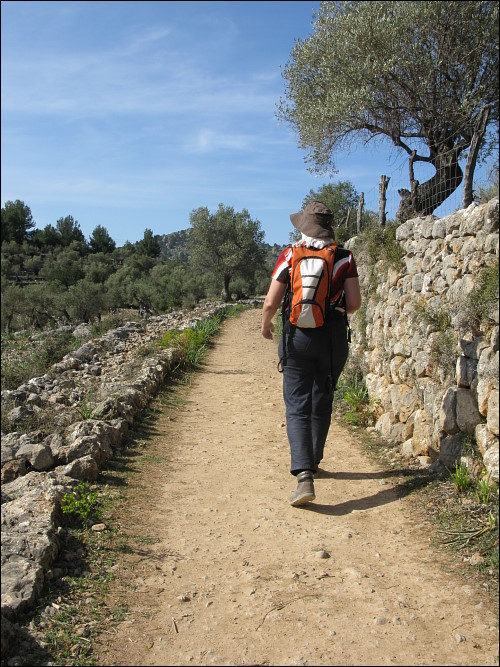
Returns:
(228,573)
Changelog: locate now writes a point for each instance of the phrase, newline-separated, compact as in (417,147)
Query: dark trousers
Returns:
(312,361)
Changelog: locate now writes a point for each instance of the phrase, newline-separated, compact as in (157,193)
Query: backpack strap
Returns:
(285,315)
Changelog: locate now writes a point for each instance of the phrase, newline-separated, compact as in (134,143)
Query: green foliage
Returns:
(16,221)
(54,278)
(439,319)
(436,326)
(394,71)
(483,490)
(11,304)
(443,351)
(84,301)
(490,190)
(378,244)
(460,477)
(64,266)
(479,309)
(101,241)
(192,342)
(70,232)
(87,405)
(226,244)
(81,503)
(354,393)
(149,245)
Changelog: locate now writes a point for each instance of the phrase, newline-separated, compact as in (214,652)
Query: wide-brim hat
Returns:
(315,221)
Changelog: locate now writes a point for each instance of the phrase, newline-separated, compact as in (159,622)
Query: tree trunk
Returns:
(382,188)
(361,203)
(226,294)
(413,183)
(427,197)
(348,216)
(479,130)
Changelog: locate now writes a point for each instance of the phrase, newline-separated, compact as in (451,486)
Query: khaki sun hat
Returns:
(314,221)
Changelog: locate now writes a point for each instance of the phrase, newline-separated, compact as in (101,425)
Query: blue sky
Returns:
(130,115)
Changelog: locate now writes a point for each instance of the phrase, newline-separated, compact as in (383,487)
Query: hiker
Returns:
(314,347)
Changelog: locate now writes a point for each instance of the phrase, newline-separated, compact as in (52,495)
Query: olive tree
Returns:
(226,243)
(422,75)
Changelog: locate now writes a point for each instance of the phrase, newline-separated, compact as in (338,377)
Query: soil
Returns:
(228,573)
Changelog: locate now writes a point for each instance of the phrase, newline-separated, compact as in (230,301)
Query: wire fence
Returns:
(397,177)
(398,181)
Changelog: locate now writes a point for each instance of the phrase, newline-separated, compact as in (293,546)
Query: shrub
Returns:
(479,308)
(81,503)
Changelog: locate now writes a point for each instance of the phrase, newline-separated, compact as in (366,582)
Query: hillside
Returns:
(175,247)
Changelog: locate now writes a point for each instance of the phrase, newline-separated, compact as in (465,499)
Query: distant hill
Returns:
(175,247)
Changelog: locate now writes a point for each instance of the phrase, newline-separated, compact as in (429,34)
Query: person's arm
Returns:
(271,304)
(352,294)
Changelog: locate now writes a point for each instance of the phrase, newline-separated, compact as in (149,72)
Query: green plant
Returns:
(479,307)
(87,405)
(193,342)
(355,393)
(443,352)
(380,243)
(80,502)
(460,477)
(438,318)
(483,490)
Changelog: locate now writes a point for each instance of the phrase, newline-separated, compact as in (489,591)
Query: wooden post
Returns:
(361,204)
(348,216)
(384,182)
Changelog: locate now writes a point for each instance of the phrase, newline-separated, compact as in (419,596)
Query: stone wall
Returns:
(117,375)
(433,382)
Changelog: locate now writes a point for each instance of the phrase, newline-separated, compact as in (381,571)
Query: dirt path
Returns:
(231,574)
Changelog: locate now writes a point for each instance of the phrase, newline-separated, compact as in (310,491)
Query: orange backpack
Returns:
(310,285)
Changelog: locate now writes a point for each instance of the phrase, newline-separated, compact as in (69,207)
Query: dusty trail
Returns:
(235,576)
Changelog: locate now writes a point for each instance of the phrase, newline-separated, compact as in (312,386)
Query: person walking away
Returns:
(314,347)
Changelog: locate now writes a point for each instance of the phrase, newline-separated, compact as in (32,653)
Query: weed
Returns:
(355,394)
(193,342)
(460,477)
(480,308)
(439,319)
(483,490)
(87,405)
(443,353)
(380,244)
(81,503)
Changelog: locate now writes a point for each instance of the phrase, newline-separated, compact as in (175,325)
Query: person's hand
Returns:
(268,330)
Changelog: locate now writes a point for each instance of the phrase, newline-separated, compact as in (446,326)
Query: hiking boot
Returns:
(305,489)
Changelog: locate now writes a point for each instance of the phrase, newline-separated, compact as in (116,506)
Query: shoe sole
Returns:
(302,500)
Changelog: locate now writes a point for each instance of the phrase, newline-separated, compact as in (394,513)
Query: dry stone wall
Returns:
(116,376)
(434,383)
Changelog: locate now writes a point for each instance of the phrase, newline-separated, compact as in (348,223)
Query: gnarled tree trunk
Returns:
(424,199)
(479,130)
